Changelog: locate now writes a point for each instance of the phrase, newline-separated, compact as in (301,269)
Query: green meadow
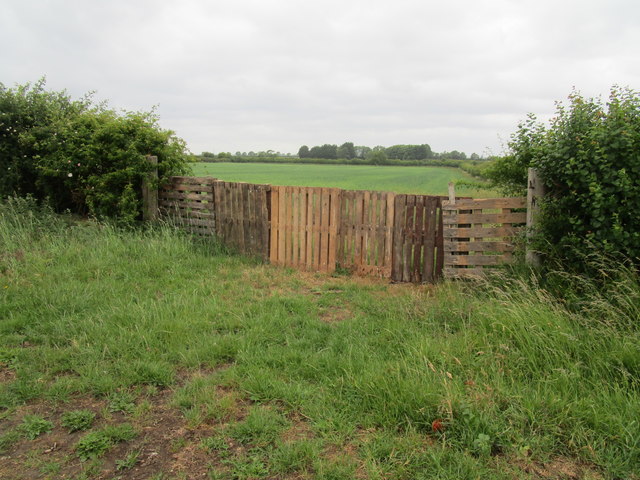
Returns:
(416,180)
(144,353)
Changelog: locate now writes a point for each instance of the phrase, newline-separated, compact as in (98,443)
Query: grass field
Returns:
(146,354)
(418,180)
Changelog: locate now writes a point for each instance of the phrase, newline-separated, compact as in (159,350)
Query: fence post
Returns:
(452,193)
(535,193)
(150,191)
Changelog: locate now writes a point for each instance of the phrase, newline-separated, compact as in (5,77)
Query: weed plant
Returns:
(465,380)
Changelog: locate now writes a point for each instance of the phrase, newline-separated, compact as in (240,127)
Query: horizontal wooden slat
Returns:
(453,246)
(473,259)
(513,202)
(195,221)
(450,272)
(191,180)
(466,218)
(182,187)
(183,205)
(481,232)
(186,196)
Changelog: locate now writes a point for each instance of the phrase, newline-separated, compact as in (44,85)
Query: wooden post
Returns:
(452,193)
(535,193)
(150,191)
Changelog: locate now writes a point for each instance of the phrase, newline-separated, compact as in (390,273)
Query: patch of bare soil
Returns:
(561,468)
(6,374)
(164,445)
(335,314)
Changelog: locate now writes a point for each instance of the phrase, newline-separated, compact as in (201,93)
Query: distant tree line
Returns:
(352,153)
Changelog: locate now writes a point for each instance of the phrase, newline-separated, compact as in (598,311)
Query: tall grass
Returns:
(510,372)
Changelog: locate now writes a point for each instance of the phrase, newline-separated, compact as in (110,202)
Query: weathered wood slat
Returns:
(189,187)
(477,260)
(486,203)
(275,226)
(186,196)
(483,218)
(452,272)
(185,205)
(483,232)
(479,246)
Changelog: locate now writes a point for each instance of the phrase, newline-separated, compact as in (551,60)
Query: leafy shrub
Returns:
(79,155)
(589,158)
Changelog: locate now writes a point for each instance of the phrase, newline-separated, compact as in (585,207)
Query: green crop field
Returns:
(418,180)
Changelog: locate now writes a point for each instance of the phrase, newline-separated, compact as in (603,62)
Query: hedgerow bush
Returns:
(79,155)
(589,160)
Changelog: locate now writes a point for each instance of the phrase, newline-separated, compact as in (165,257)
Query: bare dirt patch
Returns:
(561,468)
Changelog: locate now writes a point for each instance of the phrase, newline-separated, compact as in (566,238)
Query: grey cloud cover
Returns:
(275,74)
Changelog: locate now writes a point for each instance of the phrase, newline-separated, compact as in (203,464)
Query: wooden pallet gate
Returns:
(480,234)
(304,227)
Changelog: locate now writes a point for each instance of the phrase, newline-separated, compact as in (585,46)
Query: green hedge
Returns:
(78,155)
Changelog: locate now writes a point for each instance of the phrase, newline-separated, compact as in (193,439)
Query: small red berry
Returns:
(437,425)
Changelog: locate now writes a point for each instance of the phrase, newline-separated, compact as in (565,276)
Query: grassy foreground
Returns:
(416,180)
(129,354)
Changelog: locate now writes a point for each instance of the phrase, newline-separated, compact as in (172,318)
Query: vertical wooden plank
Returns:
(302,227)
(389,229)
(250,230)
(340,252)
(308,193)
(243,214)
(366,226)
(381,215)
(357,229)
(349,212)
(265,203)
(324,223)
(283,227)
(295,226)
(408,240)
(431,232)
(314,197)
(439,242)
(287,225)
(418,243)
(399,219)
(334,215)
(273,239)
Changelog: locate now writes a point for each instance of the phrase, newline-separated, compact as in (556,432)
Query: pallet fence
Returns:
(189,203)
(241,212)
(406,238)
(304,227)
(480,234)
(365,242)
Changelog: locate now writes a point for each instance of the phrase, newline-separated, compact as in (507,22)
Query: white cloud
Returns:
(259,74)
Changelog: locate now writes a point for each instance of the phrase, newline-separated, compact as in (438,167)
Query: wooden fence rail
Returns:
(407,238)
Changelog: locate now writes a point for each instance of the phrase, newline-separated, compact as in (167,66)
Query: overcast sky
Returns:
(244,75)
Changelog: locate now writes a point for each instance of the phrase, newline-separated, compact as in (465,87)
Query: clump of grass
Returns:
(122,401)
(261,427)
(78,420)
(8,439)
(94,444)
(33,426)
